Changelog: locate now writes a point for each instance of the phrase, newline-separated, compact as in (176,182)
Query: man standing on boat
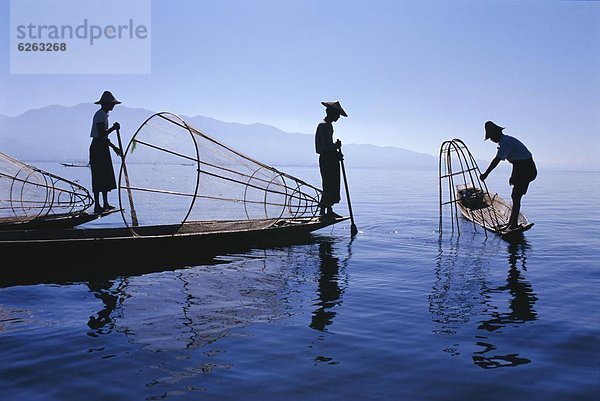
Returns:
(103,175)
(523,172)
(329,158)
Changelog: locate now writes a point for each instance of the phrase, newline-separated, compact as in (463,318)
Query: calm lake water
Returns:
(394,314)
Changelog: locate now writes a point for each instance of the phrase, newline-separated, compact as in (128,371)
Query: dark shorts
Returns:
(523,172)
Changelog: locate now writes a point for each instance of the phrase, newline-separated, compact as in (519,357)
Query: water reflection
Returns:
(459,283)
(208,302)
(187,309)
(331,285)
(112,297)
(328,290)
(462,292)
(522,297)
(521,308)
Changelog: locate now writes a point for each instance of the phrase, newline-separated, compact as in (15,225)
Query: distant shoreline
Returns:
(314,165)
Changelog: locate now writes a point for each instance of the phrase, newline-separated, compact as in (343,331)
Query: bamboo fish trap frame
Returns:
(461,190)
(29,195)
(173,173)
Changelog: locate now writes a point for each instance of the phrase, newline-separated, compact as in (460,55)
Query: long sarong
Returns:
(329,164)
(103,174)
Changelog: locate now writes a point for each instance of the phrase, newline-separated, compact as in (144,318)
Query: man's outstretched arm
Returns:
(492,166)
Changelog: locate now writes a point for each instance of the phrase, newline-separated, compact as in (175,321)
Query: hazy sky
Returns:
(409,73)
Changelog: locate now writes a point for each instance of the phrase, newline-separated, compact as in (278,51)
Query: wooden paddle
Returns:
(353,229)
(134,219)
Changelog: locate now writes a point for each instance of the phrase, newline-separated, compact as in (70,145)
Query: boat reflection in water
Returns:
(192,308)
(188,308)
(462,293)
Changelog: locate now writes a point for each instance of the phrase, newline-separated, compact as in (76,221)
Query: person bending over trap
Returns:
(523,167)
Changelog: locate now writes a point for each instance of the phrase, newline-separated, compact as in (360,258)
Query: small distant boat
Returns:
(75,164)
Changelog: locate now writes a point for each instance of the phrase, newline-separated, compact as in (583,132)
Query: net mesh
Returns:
(174,173)
(28,193)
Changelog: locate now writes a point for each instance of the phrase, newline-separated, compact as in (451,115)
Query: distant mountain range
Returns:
(61,133)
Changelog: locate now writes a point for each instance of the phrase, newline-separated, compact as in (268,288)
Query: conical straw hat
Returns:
(336,106)
(107,97)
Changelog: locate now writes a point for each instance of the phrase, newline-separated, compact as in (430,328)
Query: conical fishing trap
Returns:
(464,193)
(173,173)
(29,194)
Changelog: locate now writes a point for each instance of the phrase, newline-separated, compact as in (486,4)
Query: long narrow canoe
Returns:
(52,221)
(488,211)
(83,253)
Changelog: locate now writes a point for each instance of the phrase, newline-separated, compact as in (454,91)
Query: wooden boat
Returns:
(54,221)
(489,211)
(84,253)
(183,197)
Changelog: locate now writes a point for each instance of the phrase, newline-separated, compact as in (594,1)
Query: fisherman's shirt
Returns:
(512,149)
(101,116)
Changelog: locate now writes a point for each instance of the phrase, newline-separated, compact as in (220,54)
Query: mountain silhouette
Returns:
(62,133)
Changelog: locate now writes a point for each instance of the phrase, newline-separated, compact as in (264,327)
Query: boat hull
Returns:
(61,221)
(86,253)
(492,213)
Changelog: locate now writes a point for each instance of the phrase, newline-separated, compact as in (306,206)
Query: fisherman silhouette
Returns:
(523,171)
(103,175)
(329,158)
